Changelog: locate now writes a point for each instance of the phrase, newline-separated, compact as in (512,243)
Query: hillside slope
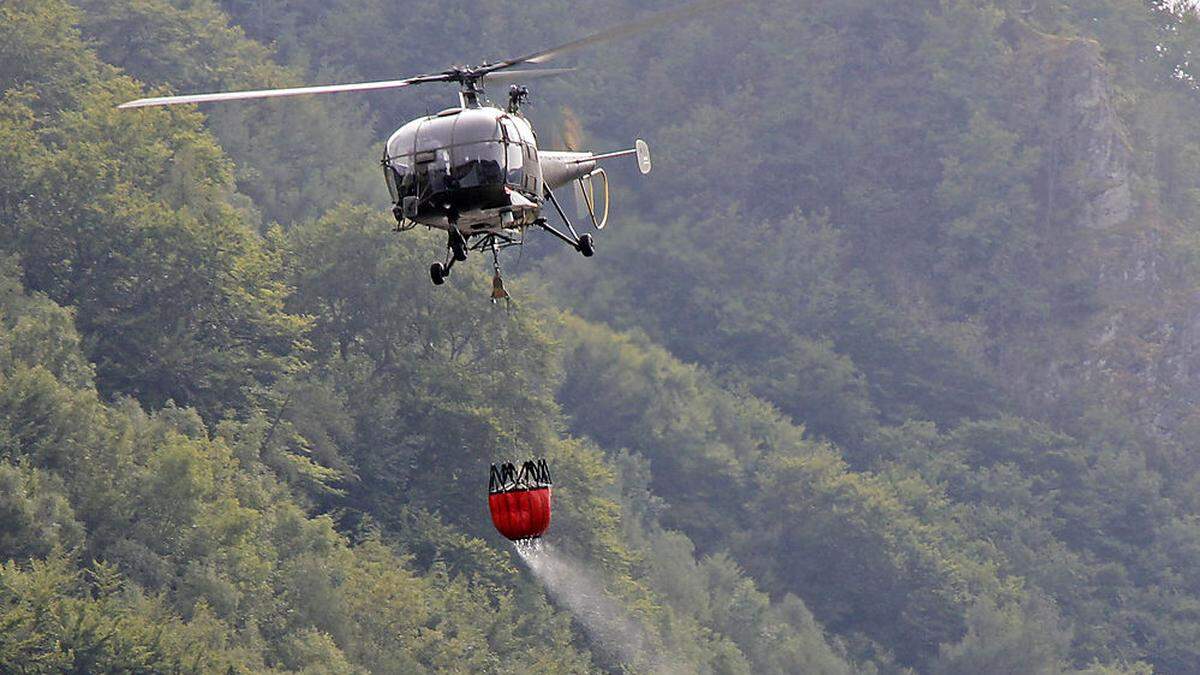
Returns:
(888,368)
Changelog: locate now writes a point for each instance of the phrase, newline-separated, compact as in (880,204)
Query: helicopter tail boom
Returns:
(560,168)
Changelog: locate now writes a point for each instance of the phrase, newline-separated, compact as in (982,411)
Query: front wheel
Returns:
(586,247)
(437,272)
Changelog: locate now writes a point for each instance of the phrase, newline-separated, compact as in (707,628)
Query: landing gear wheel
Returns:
(586,247)
(437,272)
(458,245)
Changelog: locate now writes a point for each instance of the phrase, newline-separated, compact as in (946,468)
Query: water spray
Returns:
(573,585)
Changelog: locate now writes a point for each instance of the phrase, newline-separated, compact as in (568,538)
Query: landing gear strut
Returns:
(456,251)
(457,248)
(458,245)
(581,243)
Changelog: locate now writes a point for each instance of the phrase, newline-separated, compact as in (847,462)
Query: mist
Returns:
(577,588)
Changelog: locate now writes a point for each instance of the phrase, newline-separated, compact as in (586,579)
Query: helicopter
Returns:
(475,170)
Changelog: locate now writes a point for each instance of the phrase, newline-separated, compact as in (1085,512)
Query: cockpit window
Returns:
(477,165)
(516,163)
(435,173)
(515,152)
(466,149)
(456,167)
(474,126)
(393,185)
(433,134)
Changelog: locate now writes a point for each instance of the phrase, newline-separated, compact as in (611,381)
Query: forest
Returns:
(891,366)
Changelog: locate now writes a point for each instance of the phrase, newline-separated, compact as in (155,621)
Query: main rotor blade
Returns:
(514,75)
(614,33)
(278,93)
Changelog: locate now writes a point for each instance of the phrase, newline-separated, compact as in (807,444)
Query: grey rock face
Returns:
(1142,345)
(1091,137)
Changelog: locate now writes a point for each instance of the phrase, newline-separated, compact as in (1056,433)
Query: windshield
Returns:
(477,165)
(452,152)
(469,165)
(400,177)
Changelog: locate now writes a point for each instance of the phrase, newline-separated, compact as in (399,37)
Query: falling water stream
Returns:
(573,586)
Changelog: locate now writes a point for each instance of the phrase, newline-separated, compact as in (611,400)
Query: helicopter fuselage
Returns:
(476,170)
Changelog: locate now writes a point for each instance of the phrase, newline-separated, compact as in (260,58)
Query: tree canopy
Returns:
(887,368)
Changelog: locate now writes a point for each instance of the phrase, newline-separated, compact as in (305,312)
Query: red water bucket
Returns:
(519,499)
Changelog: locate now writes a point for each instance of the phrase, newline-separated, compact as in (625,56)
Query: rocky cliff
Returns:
(1140,319)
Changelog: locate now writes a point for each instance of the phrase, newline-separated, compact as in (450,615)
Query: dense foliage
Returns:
(880,372)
